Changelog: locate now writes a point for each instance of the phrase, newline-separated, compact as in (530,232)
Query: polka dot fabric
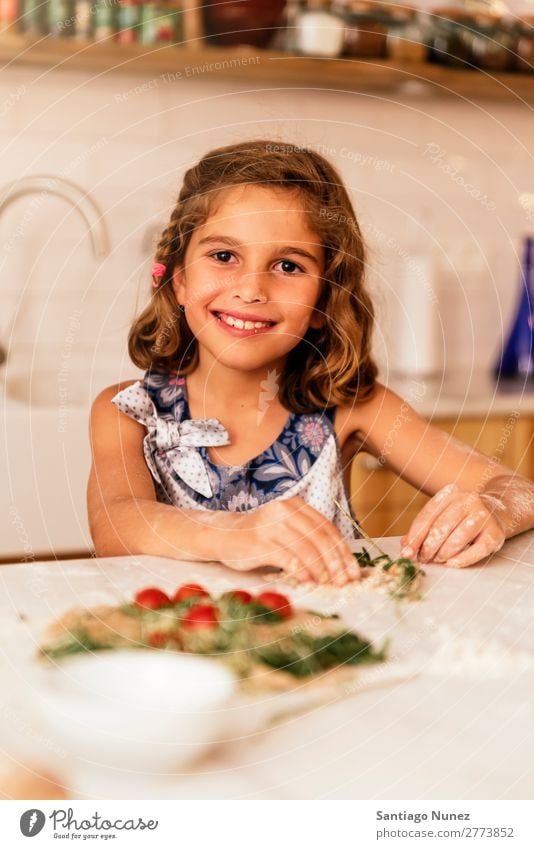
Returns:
(304,460)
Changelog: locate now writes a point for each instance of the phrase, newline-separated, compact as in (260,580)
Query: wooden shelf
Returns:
(266,68)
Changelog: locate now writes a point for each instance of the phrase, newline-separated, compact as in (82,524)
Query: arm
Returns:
(124,515)
(126,518)
(476,502)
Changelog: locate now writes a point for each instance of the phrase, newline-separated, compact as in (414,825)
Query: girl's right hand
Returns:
(292,536)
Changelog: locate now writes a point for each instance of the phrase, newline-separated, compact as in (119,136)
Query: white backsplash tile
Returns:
(129,144)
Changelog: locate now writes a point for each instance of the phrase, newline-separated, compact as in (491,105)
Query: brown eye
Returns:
(222,256)
(288,267)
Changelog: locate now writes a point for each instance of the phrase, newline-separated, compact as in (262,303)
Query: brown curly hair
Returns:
(333,364)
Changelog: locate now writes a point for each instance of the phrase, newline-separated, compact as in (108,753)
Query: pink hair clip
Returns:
(158,270)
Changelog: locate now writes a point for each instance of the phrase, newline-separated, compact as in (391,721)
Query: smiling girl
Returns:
(260,388)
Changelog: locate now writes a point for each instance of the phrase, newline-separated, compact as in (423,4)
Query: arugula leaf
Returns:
(304,655)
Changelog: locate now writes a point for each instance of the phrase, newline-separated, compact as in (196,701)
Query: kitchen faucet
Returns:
(44,184)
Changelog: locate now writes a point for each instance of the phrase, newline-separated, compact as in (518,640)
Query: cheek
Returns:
(202,289)
(301,311)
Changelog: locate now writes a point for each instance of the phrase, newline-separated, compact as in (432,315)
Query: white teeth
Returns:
(242,325)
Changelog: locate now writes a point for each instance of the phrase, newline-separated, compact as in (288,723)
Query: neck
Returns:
(229,388)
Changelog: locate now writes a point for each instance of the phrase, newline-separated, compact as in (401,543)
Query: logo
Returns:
(32,822)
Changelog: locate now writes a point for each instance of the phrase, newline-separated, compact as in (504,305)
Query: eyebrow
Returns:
(234,243)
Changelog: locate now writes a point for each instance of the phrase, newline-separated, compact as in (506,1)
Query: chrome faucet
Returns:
(45,184)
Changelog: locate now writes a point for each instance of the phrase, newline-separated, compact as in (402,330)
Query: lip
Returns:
(244,316)
(236,331)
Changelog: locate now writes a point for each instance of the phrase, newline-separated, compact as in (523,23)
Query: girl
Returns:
(260,388)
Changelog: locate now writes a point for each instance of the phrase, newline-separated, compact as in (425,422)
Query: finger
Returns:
(293,569)
(314,533)
(294,518)
(485,544)
(275,554)
(464,534)
(425,518)
(297,573)
(444,525)
(338,559)
(339,562)
(302,545)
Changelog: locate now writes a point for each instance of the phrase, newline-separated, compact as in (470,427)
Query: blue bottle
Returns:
(516,361)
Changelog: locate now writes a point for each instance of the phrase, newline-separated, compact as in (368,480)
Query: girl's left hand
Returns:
(456,527)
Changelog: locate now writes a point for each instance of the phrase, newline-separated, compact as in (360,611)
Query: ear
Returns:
(178,285)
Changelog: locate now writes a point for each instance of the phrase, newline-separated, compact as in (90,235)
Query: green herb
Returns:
(75,643)
(234,610)
(303,655)
(132,610)
(410,571)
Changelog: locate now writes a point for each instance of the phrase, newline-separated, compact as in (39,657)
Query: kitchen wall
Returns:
(439,177)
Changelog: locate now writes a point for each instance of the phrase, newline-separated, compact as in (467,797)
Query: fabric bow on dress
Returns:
(173,442)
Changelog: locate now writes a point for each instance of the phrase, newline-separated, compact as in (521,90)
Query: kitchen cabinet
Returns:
(386,505)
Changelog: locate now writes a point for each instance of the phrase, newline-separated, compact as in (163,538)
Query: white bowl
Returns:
(135,709)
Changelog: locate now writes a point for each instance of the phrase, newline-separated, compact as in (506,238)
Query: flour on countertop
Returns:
(476,654)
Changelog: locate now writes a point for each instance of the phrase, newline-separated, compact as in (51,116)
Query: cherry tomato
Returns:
(158,639)
(277,602)
(187,591)
(152,598)
(239,595)
(201,616)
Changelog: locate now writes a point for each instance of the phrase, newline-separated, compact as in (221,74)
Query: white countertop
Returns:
(463,396)
(457,725)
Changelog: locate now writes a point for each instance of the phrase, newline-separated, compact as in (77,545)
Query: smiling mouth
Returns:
(235,323)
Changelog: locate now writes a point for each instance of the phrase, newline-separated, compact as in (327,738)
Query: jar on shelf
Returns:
(366,28)
(450,37)
(159,23)
(253,22)
(33,18)
(103,20)
(492,43)
(9,12)
(127,22)
(319,30)
(525,46)
(83,20)
(407,35)
(60,16)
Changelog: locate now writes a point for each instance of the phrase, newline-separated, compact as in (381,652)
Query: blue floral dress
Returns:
(304,460)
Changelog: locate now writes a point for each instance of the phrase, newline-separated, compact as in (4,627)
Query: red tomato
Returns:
(239,595)
(201,616)
(187,591)
(277,602)
(162,638)
(152,598)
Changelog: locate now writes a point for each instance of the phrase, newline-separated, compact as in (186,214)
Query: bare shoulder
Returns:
(103,399)
(107,420)
(354,422)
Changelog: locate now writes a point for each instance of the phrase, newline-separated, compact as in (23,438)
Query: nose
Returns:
(251,287)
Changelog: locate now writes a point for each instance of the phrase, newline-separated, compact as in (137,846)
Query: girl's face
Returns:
(251,278)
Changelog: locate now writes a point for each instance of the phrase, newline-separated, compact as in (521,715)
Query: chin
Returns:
(244,362)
